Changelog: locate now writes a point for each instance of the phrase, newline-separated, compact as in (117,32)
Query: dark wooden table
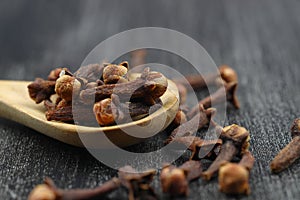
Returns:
(260,39)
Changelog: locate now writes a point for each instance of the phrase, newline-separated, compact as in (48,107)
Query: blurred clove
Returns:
(196,81)
(201,119)
(235,141)
(137,184)
(209,148)
(290,153)
(48,191)
(218,97)
(234,178)
(174,181)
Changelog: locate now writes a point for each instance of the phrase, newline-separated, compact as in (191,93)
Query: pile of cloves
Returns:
(104,93)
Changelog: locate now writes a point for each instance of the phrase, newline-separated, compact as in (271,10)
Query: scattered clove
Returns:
(227,75)
(137,184)
(234,178)
(151,85)
(41,90)
(48,191)
(200,120)
(174,181)
(218,97)
(235,141)
(290,153)
(210,148)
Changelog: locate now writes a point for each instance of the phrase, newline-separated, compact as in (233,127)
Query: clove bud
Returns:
(41,90)
(218,97)
(48,191)
(234,178)
(235,141)
(174,181)
(137,184)
(200,120)
(210,148)
(290,153)
(150,86)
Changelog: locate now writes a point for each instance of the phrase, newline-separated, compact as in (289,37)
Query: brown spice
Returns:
(235,141)
(234,178)
(67,87)
(115,73)
(200,120)
(151,85)
(227,75)
(111,110)
(91,72)
(218,97)
(174,181)
(290,153)
(65,113)
(41,90)
(210,148)
(54,74)
(48,191)
(137,184)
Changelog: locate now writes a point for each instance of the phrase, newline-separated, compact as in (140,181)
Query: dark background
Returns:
(260,39)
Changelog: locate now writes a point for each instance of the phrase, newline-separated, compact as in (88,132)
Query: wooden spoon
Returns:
(16,105)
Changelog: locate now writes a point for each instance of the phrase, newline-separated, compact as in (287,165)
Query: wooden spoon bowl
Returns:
(16,105)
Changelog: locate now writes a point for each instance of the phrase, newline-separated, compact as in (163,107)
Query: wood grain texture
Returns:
(260,39)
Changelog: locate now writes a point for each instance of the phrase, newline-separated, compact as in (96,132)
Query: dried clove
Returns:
(174,181)
(67,87)
(290,153)
(235,141)
(91,72)
(247,160)
(227,75)
(54,74)
(64,112)
(218,97)
(234,178)
(48,191)
(200,120)
(151,85)
(211,148)
(115,73)
(41,90)
(137,184)
(193,169)
(111,110)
